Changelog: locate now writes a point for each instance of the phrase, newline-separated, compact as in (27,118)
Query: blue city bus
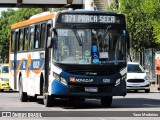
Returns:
(84,56)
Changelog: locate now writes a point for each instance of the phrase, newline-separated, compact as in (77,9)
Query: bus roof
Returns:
(34,20)
(82,11)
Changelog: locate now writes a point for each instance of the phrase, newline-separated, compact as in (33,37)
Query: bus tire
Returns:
(41,84)
(22,95)
(32,98)
(106,101)
(48,100)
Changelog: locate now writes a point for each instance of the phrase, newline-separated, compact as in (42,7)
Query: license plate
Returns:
(136,85)
(91,89)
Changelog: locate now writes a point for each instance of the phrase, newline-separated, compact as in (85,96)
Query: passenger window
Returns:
(31,38)
(37,37)
(20,41)
(48,30)
(12,41)
(43,33)
(26,39)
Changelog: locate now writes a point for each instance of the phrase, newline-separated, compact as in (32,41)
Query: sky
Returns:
(2,9)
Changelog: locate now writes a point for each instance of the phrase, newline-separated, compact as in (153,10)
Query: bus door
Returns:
(47,57)
(15,35)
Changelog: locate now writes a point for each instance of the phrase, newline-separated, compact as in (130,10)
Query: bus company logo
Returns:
(73,79)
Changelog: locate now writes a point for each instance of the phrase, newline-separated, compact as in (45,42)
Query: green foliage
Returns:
(143,22)
(8,18)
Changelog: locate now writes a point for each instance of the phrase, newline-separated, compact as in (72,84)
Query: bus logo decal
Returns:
(73,79)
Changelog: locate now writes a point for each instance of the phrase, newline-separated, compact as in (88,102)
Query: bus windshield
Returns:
(99,46)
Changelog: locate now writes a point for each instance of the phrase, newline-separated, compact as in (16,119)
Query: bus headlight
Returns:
(61,79)
(118,81)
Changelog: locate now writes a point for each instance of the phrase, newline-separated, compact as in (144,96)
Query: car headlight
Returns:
(146,78)
(61,79)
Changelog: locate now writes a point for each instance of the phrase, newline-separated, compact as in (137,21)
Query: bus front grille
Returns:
(101,89)
(93,72)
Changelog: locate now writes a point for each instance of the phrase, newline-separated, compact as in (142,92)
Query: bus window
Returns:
(43,32)
(48,30)
(20,41)
(37,37)
(12,41)
(31,38)
(26,36)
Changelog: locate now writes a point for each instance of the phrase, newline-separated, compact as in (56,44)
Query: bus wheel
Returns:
(48,100)
(22,95)
(106,101)
(32,98)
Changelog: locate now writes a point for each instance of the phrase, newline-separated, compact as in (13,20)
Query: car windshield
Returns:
(5,69)
(135,68)
(94,46)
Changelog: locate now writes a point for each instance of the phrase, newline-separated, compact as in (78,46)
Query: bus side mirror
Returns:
(51,38)
(49,42)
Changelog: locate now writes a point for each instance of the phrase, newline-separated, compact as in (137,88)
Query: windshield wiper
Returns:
(77,35)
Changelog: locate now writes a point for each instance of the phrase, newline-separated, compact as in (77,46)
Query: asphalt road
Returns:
(134,105)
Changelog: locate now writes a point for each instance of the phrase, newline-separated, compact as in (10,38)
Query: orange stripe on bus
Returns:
(29,60)
(19,65)
(38,71)
(35,20)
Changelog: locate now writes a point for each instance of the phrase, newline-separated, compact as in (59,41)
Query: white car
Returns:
(137,78)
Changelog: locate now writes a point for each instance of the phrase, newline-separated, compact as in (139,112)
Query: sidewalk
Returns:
(154,88)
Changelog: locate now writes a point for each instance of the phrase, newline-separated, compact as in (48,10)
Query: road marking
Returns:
(152,105)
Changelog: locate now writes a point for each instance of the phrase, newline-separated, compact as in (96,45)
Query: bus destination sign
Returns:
(77,18)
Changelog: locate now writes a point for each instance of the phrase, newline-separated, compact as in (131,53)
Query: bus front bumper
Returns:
(59,89)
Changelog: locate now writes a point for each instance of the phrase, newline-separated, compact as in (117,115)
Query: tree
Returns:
(142,22)
(8,18)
